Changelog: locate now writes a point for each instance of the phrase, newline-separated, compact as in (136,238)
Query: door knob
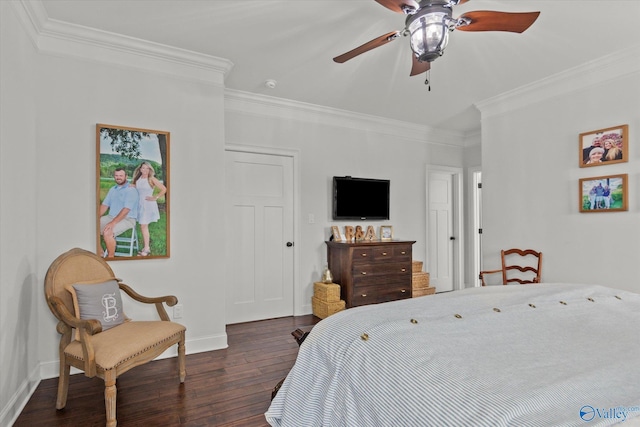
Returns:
(452,238)
(289,244)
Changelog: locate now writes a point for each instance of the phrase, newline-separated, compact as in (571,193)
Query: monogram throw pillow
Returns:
(101,301)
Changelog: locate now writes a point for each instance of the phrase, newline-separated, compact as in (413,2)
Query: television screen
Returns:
(360,198)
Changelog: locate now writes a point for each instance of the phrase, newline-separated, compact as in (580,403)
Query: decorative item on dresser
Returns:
(371,272)
(335,233)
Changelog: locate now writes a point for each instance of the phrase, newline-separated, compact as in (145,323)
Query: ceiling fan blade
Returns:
(419,67)
(399,6)
(367,46)
(487,20)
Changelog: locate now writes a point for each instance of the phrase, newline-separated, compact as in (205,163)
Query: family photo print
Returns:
(132,192)
(604,146)
(603,193)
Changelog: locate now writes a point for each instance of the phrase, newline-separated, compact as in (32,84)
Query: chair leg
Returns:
(110,397)
(63,384)
(182,366)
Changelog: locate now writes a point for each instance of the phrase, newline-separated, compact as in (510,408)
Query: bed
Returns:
(528,355)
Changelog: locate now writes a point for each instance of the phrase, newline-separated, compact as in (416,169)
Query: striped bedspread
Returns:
(532,355)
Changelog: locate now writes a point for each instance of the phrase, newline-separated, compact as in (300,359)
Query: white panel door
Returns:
(259,236)
(440,237)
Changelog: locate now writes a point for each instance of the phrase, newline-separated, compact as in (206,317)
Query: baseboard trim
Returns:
(18,401)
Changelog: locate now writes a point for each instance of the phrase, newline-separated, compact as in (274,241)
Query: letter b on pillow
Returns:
(100,301)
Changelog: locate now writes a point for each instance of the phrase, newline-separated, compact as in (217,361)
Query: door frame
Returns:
(298,303)
(475,223)
(458,222)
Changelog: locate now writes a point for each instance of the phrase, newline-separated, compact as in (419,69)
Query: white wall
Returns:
(193,112)
(54,91)
(530,174)
(19,290)
(58,84)
(327,147)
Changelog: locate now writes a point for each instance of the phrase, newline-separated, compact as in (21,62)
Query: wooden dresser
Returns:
(372,271)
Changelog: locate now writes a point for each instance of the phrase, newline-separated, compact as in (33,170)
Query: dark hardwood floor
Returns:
(230,387)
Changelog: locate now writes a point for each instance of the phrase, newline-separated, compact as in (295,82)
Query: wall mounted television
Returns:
(360,198)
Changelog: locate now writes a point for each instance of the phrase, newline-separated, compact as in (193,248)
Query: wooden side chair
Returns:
(96,336)
(518,266)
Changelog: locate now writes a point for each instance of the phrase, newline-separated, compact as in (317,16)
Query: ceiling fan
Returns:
(429,23)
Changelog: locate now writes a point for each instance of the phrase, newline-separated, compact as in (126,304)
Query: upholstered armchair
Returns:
(96,336)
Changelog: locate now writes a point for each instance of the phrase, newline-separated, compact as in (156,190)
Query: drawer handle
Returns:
(364,273)
(364,255)
(384,254)
(364,295)
(403,252)
(403,270)
(402,291)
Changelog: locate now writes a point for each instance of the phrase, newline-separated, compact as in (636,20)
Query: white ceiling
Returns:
(294,41)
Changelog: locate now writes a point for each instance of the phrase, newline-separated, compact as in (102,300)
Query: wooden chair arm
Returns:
(483,273)
(87,328)
(170,300)
(91,326)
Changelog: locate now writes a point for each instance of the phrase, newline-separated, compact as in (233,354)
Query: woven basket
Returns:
(416,266)
(329,292)
(419,280)
(423,291)
(324,309)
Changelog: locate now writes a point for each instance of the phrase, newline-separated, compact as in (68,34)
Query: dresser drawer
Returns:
(391,253)
(395,253)
(361,270)
(381,254)
(362,255)
(402,253)
(376,294)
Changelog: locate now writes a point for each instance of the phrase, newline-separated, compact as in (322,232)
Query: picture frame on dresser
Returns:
(335,233)
(386,232)
(142,155)
(603,193)
(603,146)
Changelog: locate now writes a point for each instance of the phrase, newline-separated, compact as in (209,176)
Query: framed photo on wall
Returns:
(604,146)
(132,192)
(603,193)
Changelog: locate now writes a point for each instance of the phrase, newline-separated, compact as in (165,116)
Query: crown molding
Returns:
(610,67)
(54,37)
(59,38)
(266,106)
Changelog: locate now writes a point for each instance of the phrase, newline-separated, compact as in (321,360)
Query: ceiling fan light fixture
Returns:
(429,34)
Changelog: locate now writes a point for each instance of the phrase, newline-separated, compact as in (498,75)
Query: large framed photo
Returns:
(604,146)
(132,192)
(603,193)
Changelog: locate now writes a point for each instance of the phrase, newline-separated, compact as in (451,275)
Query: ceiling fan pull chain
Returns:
(426,80)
